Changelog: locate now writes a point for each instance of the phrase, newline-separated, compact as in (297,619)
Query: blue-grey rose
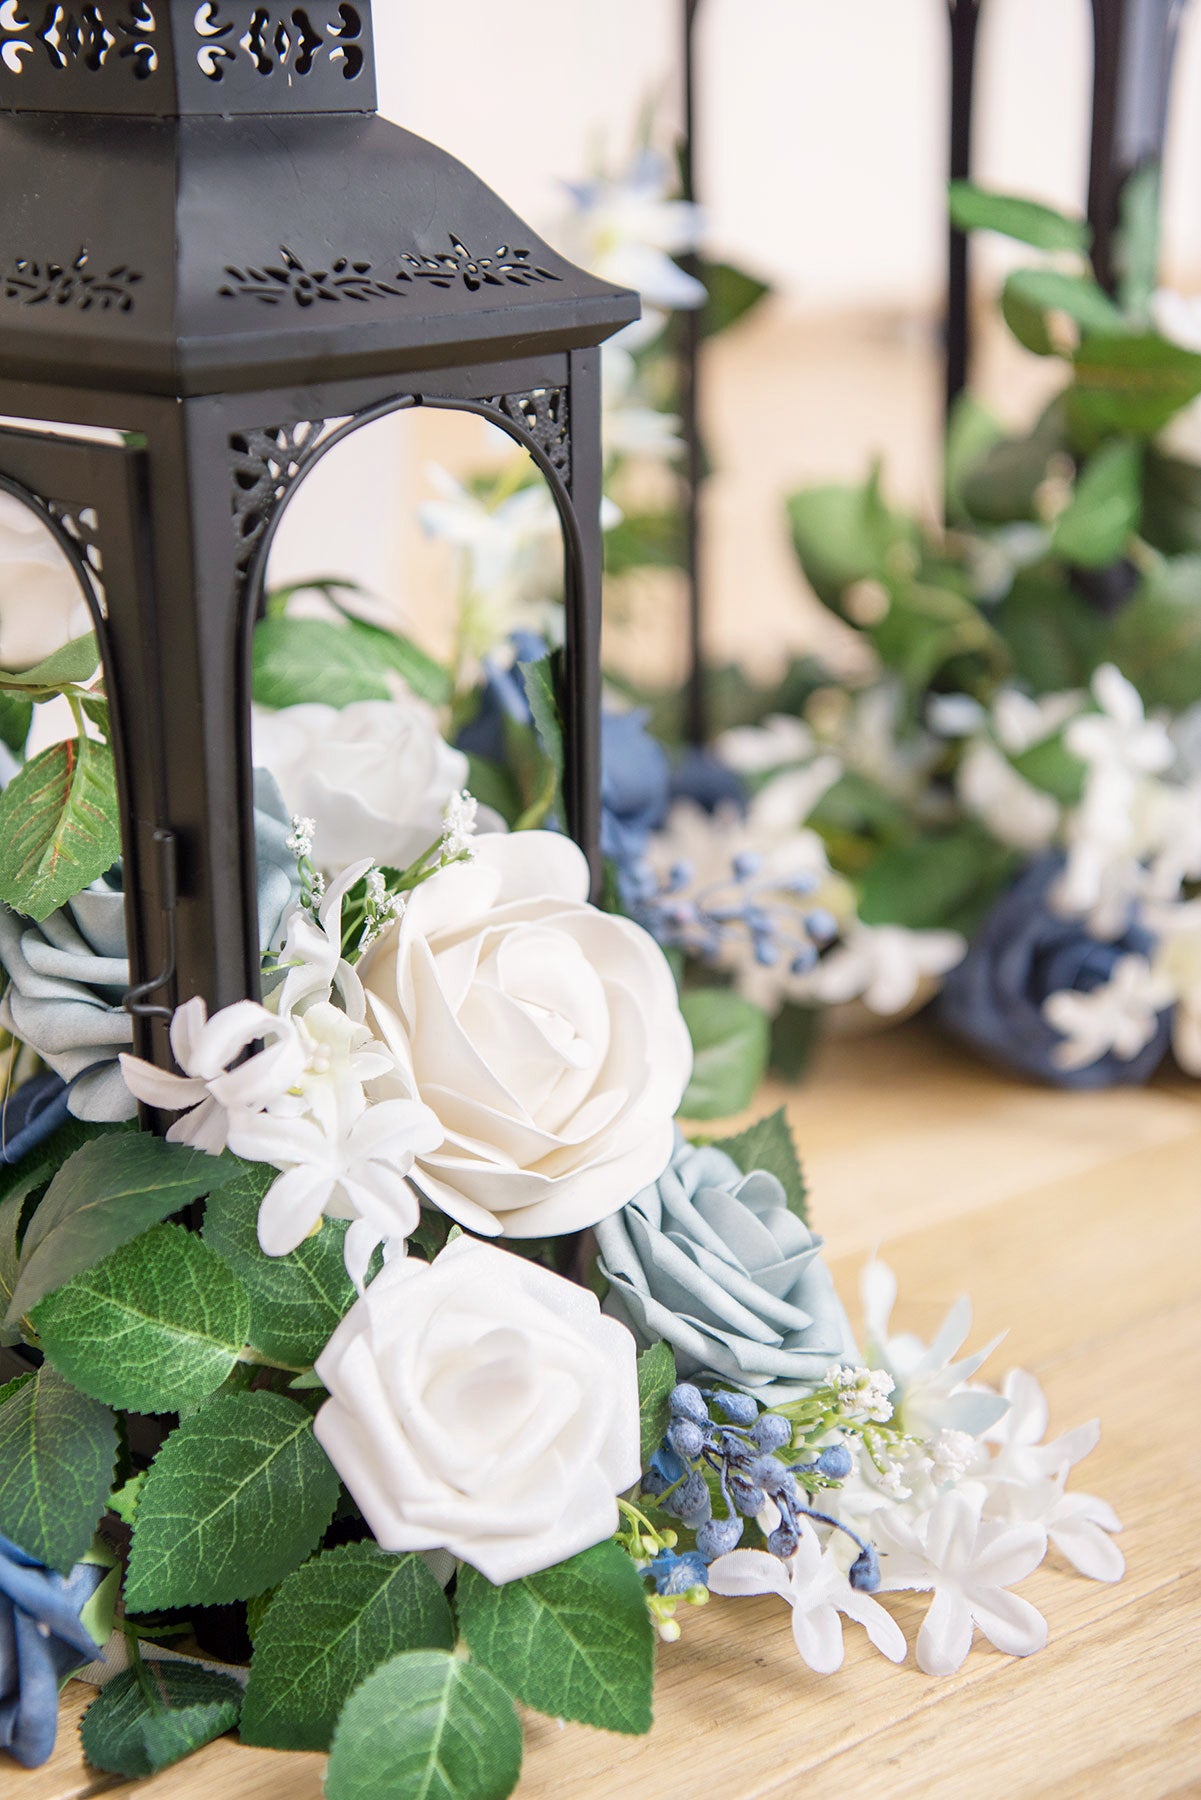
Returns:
(42,1640)
(68,976)
(1021,954)
(714,1262)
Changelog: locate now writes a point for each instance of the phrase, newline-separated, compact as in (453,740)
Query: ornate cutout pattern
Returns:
(80,37)
(265,463)
(32,283)
(448,268)
(82,525)
(276,283)
(292,39)
(544,415)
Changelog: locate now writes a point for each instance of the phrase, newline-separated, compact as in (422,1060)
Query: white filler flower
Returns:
(544,1034)
(483,1405)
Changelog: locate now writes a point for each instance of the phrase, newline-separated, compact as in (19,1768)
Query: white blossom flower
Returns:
(776,742)
(630,424)
(1178,964)
(627,229)
(368,780)
(885,966)
(932,1390)
(41,603)
(215,1085)
(1119,1018)
(818,1592)
(482,1404)
(311,957)
(1013,810)
(970,1563)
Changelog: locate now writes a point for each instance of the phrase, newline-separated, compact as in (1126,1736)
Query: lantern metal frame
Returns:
(221,368)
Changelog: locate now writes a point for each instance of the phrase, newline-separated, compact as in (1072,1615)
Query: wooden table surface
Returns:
(1074,1221)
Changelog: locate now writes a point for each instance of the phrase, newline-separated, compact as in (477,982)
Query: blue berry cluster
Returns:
(743,1448)
(770,912)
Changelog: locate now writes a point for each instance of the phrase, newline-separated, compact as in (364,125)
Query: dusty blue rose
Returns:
(714,1262)
(69,975)
(1021,954)
(42,1640)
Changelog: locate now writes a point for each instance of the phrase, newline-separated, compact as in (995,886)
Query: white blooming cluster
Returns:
(961,1498)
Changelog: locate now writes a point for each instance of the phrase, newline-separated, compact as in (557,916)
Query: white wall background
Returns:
(822,155)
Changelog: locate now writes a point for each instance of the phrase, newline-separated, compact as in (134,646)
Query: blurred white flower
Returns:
(1119,1018)
(41,604)
(627,229)
(1178,964)
(1010,807)
(884,966)
(777,742)
(818,1591)
(630,424)
(1177,317)
(970,1563)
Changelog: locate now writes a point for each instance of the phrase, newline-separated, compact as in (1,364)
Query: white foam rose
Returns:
(483,1405)
(41,603)
(374,776)
(545,1035)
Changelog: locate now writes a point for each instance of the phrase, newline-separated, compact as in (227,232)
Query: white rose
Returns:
(41,604)
(483,1405)
(373,776)
(545,1035)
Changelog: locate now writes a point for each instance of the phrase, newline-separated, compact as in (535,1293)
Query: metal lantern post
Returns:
(217,259)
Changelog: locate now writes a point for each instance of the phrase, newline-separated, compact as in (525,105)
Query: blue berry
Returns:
(687,1402)
(783,1541)
(718,1537)
(834,1463)
(690,1503)
(864,1572)
(686,1438)
(739,1409)
(771,1432)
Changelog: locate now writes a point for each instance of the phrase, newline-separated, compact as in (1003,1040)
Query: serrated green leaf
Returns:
(1051,290)
(1132,384)
(795,1034)
(14,1386)
(769,1145)
(107,1193)
(137,1728)
(574,1641)
(730,1039)
(124,1500)
(59,826)
(656,1378)
(301,661)
(235,1500)
(426,1726)
(296,1301)
(974,209)
(1103,514)
(16,716)
(57,1450)
(156,1326)
(329,1626)
(69,666)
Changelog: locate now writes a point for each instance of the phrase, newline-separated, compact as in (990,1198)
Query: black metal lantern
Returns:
(214,250)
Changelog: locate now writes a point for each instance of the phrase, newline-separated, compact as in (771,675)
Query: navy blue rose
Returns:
(1022,954)
(42,1641)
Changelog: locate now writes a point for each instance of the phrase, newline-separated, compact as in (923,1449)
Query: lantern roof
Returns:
(202,199)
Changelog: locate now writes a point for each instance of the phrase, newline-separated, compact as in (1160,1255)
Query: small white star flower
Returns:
(1119,1018)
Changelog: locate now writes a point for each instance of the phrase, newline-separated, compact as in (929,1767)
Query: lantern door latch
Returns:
(138,1000)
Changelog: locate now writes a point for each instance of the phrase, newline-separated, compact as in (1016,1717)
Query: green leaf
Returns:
(974,209)
(645,540)
(107,1193)
(936,883)
(1138,241)
(1132,385)
(70,666)
(656,1379)
(1156,638)
(972,430)
(1056,639)
(16,716)
(1001,485)
(136,1728)
(538,679)
(14,1386)
(296,1301)
(1027,322)
(730,1039)
(59,826)
(769,1145)
(57,1450)
(574,1641)
(847,534)
(1051,766)
(733,295)
(1103,514)
(156,1326)
(494,786)
(795,1033)
(1051,290)
(299,661)
(1171,503)
(426,1726)
(329,1626)
(235,1500)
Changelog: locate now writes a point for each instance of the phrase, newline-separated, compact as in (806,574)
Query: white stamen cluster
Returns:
(863,1393)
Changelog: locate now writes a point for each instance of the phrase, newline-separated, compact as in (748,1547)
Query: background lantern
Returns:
(216,261)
